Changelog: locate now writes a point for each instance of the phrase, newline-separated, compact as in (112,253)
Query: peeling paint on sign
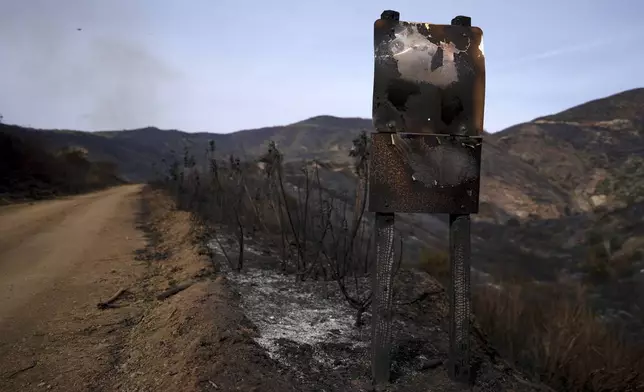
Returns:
(428,78)
(415,53)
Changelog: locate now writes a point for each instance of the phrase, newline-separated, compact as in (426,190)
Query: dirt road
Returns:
(58,259)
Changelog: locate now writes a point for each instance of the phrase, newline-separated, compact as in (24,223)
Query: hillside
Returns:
(593,152)
(589,160)
(28,171)
(135,161)
(139,152)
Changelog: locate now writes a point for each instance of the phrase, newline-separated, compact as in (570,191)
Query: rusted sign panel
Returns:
(421,173)
(428,78)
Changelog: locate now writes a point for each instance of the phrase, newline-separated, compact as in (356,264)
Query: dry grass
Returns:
(550,332)
(435,263)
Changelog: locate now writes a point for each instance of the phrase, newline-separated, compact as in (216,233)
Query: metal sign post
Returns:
(428,100)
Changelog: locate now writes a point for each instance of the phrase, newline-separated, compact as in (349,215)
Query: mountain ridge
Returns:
(546,167)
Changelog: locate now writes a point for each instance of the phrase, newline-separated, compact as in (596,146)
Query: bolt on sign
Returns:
(428,103)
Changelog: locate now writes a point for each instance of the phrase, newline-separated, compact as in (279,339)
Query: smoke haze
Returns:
(83,54)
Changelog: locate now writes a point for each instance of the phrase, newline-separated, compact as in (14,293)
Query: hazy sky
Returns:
(226,65)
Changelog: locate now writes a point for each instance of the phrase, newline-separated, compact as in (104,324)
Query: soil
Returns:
(58,259)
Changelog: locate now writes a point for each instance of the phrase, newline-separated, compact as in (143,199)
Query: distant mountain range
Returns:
(549,167)
(137,151)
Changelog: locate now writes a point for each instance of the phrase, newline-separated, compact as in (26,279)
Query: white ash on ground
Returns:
(309,328)
(284,309)
(308,313)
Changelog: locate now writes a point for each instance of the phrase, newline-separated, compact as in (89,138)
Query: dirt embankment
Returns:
(61,261)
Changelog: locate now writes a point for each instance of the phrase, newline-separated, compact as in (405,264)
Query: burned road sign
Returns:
(428,78)
(421,173)
(429,82)
(425,157)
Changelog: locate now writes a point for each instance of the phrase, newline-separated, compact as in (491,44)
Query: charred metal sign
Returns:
(428,101)
(429,82)
(428,78)
(422,173)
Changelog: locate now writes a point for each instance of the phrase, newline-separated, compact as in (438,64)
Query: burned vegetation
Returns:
(300,255)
